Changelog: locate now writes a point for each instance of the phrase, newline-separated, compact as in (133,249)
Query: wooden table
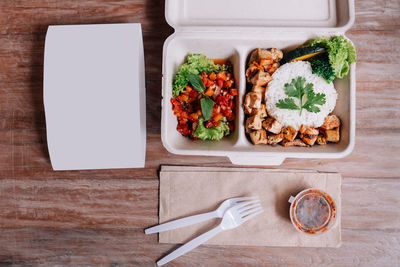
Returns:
(85,218)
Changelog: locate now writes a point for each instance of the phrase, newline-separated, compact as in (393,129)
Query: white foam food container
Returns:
(231,29)
(94,96)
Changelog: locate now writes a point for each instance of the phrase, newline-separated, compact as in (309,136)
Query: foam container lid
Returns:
(94,96)
(329,15)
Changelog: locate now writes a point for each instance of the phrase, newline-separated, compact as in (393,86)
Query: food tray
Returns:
(234,38)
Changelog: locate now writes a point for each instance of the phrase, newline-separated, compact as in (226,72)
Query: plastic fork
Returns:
(218,213)
(232,218)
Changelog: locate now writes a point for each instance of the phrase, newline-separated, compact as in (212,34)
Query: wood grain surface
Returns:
(96,218)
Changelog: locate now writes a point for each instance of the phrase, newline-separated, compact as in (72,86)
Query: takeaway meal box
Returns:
(231,29)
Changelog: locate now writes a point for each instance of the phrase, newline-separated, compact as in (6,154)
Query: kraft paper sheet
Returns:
(186,191)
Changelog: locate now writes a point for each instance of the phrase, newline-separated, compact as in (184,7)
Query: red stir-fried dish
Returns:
(206,111)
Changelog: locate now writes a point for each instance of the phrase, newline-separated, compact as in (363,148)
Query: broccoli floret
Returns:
(320,65)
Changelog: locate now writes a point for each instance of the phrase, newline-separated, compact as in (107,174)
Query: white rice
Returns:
(275,92)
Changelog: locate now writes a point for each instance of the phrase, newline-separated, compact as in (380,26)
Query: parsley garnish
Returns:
(206,103)
(299,90)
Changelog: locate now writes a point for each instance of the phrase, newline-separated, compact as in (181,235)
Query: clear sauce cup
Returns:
(312,211)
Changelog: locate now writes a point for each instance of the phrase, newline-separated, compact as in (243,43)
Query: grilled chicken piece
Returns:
(332,135)
(308,135)
(309,139)
(252,70)
(276,54)
(321,140)
(272,125)
(289,133)
(261,112)
(252,100)
(254,123)
(266,63)
(261,78)
(258,89)
(259,54)
(259,137)
(247,110)
(247,129)
(331,122)
(246,126)
(308,130)
(272,68)
(298,142)
(274,139)
(286,143)
(302,129)
(269,65)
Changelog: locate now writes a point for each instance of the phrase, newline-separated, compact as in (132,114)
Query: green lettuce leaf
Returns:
(195,64)
(214,133)
(341,53)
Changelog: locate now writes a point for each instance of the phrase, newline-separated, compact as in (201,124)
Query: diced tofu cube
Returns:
(332,135)
(321,140)
(254,122)
(274,139)
(298,142)
(259,137)
(252,100)
(261,112)
(289,133)
(272,125)
(261,78)
(331,122)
